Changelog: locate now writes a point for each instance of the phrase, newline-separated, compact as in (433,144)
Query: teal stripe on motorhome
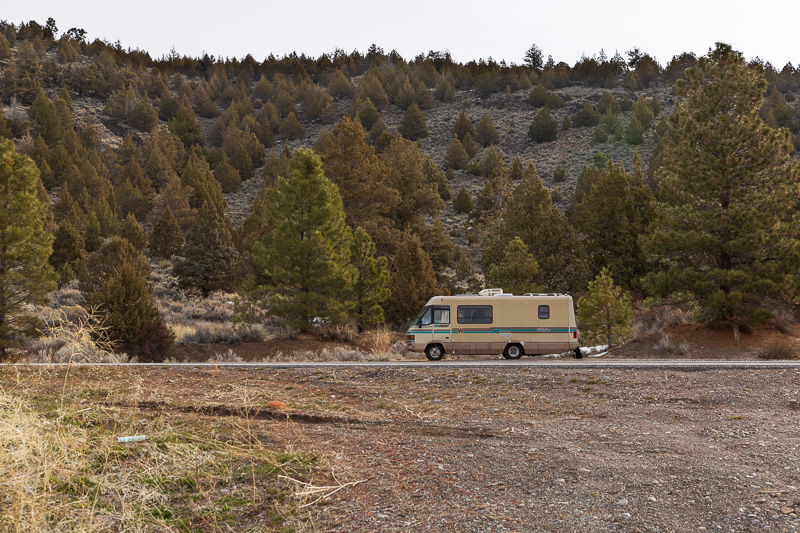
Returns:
(501,330)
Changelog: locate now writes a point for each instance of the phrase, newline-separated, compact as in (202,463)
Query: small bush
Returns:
(667,345)
(338,332)
(779,348)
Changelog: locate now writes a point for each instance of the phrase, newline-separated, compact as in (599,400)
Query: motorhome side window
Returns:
(544,311)
(434,315)
(474,314)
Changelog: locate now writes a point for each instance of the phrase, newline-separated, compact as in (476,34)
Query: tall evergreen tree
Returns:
(612,218)
(412,281)
(25,274)
(370,287)
(68,252)
(531,215)
(209,254)
(456,156)
(306,253)
(726,228)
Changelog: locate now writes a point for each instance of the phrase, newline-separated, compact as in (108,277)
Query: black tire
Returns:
(434,352)
(578,354)
(513,351)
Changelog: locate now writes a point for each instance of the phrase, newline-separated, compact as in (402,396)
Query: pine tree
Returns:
(530,214)
(516,271)
(205,189)
(463,126)
(486,134)
(133,317)
(340,86)
(463,201)
(306,251)
(166,239)
(184,125)
(209,255)
(25,274)
(46,122)
(544,127)
(456,156)
(613,217)
(566,123)
(726,231)
(413,125)
(370,287)
(605,314)
(412,281)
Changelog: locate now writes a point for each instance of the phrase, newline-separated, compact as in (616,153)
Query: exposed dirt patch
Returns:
(696,341)
(508,449)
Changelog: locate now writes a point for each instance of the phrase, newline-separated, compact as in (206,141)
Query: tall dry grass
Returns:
(63,469)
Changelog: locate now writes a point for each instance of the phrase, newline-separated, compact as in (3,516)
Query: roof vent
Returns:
(490,292)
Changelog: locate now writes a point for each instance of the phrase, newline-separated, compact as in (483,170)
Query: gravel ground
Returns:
(514,449)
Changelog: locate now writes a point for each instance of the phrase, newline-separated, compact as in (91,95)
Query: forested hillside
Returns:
(343,191)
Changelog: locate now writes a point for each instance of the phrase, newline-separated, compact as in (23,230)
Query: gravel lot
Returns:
(503,449)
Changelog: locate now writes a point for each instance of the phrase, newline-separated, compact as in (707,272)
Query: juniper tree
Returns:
(456,156)
(209,254)
(634,133)
(132,231)
(25,274)
(100,265)
(486,134)
(166,238)
(644,113)
(469,146)
(726,228)
(291,128)
(412,280)
(131,312)
(306,251)
(530,214)
(462,203)
(538,96)
(463,126)
(68,252)
(585,117)
(143,117)
(413,125)
(544,127)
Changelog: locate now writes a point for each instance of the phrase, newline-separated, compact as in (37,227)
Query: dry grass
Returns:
(71,334)
(63,469)
(779,348)
(655,319)
(205,332)
(666,344)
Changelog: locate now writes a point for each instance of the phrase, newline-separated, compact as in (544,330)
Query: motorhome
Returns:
(493,322)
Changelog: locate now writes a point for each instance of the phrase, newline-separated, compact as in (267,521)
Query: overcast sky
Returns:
(469,29)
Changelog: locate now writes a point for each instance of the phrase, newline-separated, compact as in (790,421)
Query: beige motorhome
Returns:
(493,322)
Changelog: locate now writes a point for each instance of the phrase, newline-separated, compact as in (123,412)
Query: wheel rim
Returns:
(434,352)
(514,352)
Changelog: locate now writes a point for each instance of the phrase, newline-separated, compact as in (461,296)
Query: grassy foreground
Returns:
(62,467)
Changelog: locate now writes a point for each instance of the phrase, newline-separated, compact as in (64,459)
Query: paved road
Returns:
(532,363)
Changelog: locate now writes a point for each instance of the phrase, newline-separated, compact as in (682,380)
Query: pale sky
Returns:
(469,29)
